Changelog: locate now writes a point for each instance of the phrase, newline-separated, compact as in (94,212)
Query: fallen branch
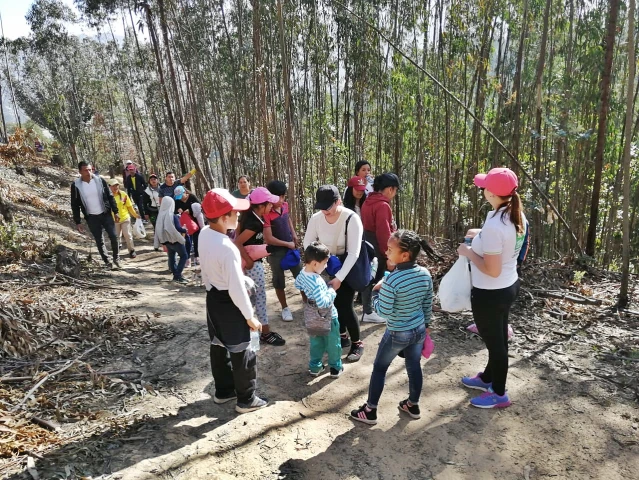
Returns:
(618,357)
(45,423)
(15,379)
(48,376)
(571,297)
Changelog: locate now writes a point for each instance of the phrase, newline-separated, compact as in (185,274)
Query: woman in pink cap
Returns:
(493,257)
(250,231)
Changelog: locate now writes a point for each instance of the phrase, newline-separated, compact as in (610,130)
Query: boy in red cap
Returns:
(229,313)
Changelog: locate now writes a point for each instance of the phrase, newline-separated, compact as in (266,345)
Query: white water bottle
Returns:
(374,266)
(255,341)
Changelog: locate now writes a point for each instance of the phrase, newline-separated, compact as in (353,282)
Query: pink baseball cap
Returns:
(218,202)
(357,183)
(500,181)
(262,195)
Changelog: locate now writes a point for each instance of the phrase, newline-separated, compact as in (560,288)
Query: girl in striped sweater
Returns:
(404,298)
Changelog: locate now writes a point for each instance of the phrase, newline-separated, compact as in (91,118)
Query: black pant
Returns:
(346,311)
(490,312)
(98,223)
(196,237)
(367,293)
(234,373)
(139,202)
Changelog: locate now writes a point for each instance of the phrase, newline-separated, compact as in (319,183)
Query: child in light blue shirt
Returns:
(320,314)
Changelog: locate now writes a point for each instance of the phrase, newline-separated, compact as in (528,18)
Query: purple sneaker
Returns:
(476,382)
(490,399)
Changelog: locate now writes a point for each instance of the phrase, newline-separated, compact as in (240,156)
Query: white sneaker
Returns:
(287,316)
(373,318)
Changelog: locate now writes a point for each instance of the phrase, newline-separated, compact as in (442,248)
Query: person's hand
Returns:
(80,228)
(335,284)
(254,324)
(180,211)
(296,240)
(428,331)
(249,264)
(146,217)
(378,285)
(464,250)
(291,245)
(117,218)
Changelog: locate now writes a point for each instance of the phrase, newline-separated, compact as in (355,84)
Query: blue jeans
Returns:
(176,249)
(411,343)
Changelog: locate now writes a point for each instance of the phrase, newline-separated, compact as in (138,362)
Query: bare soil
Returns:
(565,422)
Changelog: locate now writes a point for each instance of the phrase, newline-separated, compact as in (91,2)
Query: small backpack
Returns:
(317,320)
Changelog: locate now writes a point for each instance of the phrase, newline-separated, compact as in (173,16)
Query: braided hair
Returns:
(409,241)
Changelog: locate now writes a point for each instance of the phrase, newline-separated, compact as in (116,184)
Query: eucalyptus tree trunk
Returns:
(611,29)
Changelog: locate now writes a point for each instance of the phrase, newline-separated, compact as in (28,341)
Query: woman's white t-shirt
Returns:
(498,236)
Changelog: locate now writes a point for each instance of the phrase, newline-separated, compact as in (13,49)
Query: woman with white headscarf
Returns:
(170,233)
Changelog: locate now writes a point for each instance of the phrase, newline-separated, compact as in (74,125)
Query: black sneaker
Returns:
(335,373)
(223,399)
(272,338)
(412,410)
(256,404)
(108,265)
(346,342)
(181,281)
(365,414)
(319,372)
(357,350)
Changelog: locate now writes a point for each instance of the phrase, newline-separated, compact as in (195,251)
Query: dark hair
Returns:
(169,173)
(349,199)
(83,164)
(317,252)
(360,164)
(411,242)
(215,220)
(276,187)
(513,209)
(243,217)
(243,176)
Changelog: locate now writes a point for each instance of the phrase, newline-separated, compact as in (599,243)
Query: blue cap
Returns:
(290,260)
(178,193)
(333,266)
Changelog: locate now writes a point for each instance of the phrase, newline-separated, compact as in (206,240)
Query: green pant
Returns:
(330,344)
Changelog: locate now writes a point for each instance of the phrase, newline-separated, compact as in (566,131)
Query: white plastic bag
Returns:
(454,289)
(138,229)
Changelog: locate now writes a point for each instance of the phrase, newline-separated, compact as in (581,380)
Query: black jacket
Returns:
(140,185)
(77,203)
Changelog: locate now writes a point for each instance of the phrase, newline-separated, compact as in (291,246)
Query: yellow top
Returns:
(124,206)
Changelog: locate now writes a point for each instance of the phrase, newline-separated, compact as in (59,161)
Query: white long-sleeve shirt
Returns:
(221,267)
(334,237)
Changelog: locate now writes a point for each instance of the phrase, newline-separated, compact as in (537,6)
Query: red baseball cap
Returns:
(219,201)
(358,183)
(500,181)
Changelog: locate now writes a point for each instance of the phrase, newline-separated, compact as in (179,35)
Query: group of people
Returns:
(233,232)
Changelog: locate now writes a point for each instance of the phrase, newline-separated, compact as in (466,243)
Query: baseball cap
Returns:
(219,201)
(128,162)
(262,195)
(178,193)
(113,181)
(153,175)
(384,180)
(326,196)
(276,187)
(500,181)
(358,183)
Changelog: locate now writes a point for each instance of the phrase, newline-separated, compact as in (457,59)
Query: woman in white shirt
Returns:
(495,283)
(328,226)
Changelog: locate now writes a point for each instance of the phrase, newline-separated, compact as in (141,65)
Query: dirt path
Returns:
(561,425)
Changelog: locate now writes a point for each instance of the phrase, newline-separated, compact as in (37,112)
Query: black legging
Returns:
(346,311)
(490,312)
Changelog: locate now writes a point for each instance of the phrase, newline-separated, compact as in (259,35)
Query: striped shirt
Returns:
(406,297)
(315,288)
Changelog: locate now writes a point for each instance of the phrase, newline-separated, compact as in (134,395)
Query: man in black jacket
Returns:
(91,195)
(135,186)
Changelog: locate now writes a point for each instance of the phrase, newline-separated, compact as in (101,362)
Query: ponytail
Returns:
(513,210)
(411,242)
